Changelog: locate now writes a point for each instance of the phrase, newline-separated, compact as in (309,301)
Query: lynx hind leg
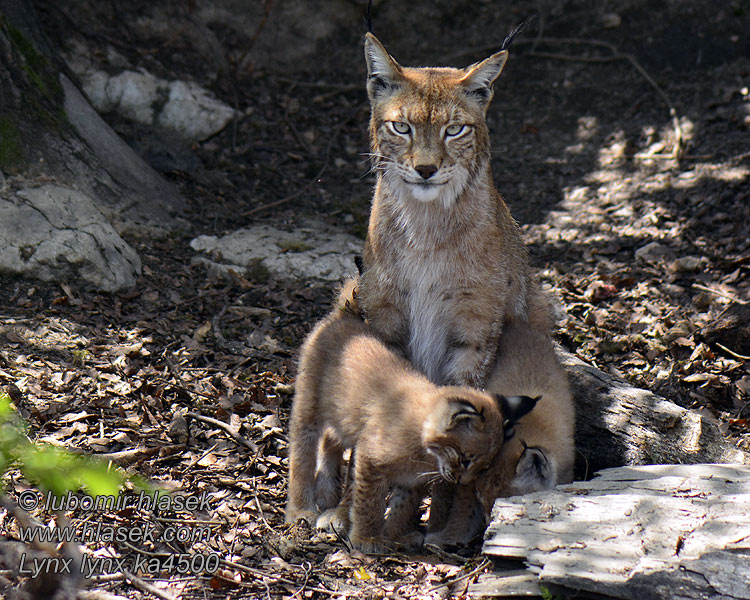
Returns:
(336,519)
(303,444)
(464,521)
(328,472)
(402,520)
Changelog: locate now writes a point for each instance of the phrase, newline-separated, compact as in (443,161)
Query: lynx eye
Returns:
(400,127)
(454,130)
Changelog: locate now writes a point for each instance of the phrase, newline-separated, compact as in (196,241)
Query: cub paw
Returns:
(534,472)
(308,516)
(368,545)
(335,520)
(347,301)
(410,541)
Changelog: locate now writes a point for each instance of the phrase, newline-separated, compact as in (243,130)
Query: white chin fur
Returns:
(426,193)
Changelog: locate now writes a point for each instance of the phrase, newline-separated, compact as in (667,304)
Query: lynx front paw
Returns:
(535,472)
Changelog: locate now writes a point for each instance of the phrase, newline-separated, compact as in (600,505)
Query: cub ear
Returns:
(462,412)
(383,72)
(480,77)
(513,408)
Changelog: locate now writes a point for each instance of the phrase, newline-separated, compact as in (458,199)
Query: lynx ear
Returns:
(513,408)
(383,72)
(463,412)
(480,77)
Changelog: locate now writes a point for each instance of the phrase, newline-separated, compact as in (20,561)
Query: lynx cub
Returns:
(353,392)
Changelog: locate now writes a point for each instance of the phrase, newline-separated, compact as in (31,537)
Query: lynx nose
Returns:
(426,171)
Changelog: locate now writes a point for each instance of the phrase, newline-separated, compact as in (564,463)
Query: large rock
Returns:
(179,106)
(55,233)
(310,252)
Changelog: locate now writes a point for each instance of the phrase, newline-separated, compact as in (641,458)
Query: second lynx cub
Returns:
(353,392)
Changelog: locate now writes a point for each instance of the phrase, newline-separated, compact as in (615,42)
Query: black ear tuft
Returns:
(519,28)
(515,407)
(368,16)
(481,94)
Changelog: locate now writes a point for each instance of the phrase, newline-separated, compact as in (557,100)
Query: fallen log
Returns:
(676,532)
(618,424)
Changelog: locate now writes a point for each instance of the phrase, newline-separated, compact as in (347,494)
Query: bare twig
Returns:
(226,428)
(260,508)
(146,587)
(280,579)
(482,565)
(732,353)
(705,288)
(126,457)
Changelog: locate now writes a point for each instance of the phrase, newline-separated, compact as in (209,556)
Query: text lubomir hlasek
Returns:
(140,501)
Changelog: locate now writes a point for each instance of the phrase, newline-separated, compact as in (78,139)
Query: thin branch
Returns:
(482,565)
(732,353)
(280,579)
(705,288)
(250,445)
(146,587)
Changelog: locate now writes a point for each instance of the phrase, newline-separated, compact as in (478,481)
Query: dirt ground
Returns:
(584,151)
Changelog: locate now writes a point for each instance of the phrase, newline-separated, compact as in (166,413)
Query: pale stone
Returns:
(310,252)
(653,253)
(55,233)
(183,107)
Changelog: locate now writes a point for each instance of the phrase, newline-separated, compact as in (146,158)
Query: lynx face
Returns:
(428,132)
(456,465)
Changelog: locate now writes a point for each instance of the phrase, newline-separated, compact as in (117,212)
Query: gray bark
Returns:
(618,424)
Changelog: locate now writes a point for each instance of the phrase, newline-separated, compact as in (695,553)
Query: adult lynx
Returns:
(445,270)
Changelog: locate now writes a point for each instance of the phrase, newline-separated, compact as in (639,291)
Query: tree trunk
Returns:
(68,184)
(618,424)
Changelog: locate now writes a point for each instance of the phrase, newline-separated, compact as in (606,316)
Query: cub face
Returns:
(465,435)
(427,126)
